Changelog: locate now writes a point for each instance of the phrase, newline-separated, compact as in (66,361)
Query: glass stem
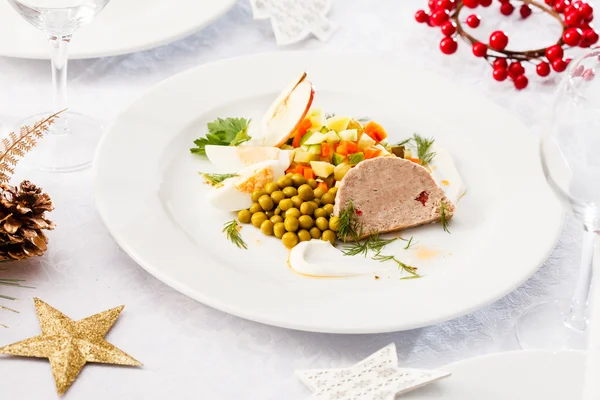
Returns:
(60,56)
(577,318)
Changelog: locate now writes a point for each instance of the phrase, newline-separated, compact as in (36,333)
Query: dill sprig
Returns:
(411,270)
(443,218)
(410,243)
(232,232)
(423,147)
(373,243)
(350,227)
(215,179)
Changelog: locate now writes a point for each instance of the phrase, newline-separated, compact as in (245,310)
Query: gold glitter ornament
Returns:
(69,345)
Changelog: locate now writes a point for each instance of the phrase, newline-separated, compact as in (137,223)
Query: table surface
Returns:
(190,350)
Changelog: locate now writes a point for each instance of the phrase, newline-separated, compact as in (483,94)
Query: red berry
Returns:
(549,2)
(473,20)
(572,37)
(485,3)
(521,82)
(578,71)
(560,5)
(439,16)
(588,74)
(500,74)
(449,28)
(471,3)
(448,45)
(507,8)
(590,36)
(589,19)
(525,11)
(543,69)
(586,11)
(554,52)
(586,25)
(447,4)
(498,40)
(432,4)
(479,49)
(421,16)
(500,63)
(515,69)
(559,65)
(573,18)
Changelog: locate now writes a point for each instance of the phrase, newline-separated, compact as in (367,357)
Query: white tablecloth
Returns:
(191,351)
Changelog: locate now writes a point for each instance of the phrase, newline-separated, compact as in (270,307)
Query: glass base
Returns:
(543,327)
(69,144)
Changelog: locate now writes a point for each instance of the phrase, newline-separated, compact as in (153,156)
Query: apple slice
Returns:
(287,112)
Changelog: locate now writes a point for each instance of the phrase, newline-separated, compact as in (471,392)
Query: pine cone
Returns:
(22,221)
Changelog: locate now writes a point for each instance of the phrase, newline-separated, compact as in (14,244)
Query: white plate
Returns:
(124,26)
(518,375)
(152,199)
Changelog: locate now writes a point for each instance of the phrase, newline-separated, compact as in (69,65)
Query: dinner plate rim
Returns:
(182,288)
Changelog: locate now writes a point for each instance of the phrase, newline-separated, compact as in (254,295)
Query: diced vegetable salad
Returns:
(326,149)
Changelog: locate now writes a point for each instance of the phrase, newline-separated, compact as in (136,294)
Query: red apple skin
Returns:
(310,100)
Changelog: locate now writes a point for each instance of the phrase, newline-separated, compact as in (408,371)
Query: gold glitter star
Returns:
(69,345)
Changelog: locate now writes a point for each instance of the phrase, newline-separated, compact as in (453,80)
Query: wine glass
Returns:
(570,152)
(72,139)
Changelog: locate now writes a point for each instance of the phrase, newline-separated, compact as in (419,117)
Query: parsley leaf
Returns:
(223,132)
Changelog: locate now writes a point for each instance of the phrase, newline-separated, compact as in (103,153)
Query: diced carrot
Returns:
(346,148)
(375,131)
(372,152)
(291,169)
(415,160)
(325,149)
(308,173)
(305,125)
(299,169)
(322,185)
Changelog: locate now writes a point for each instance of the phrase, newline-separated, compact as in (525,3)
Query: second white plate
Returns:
(152,200)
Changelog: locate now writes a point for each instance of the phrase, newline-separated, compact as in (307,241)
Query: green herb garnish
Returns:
(232,232)
(373,243)
(215,179)
(411,270)
(443,216)
(410,243)
(423,147)
(223,132)
(329,115)
(364,119)
(350,227)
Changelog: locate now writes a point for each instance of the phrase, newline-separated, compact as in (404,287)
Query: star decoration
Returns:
(294,20)
(69,345)
(374,378)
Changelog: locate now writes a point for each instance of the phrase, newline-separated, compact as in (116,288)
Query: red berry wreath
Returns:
(575,18)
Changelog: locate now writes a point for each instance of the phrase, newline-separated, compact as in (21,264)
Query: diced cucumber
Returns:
(316,138)
(307,136)
(304,157)
(340,171)
(324,129)
(337,124)
(355,158)
(407,153)
(314,149)
(332,137)
(322,169)
(351,135)
(365,142)
(337,159)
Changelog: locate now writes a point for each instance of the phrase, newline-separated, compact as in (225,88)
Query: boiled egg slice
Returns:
(234,158)
(235,193)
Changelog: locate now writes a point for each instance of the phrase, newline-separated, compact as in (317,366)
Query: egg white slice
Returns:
(234,158)
(235,193)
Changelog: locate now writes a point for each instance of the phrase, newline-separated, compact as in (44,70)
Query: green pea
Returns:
(258,218)
(318,202)
(284,182)
(328,209)
(277,211)
(278,229)
(318,192)
(266,203)
(291,224)
(306,222)
(292,212)
(333,190)
(303,235)
(244,216)
(271,187)
(290,191)
(297,201)
(320,213)
(329,236)
(315,232)
(256,195)
(269,213)
(276,218)
(289,175)
(267,227)
(255,207)
(289,239)
(298,180)
(277,196)
(307,208)
(328,198)
(321,223)
(312,183)
(334,224)
(306,193)
(314,204)
(286,204)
